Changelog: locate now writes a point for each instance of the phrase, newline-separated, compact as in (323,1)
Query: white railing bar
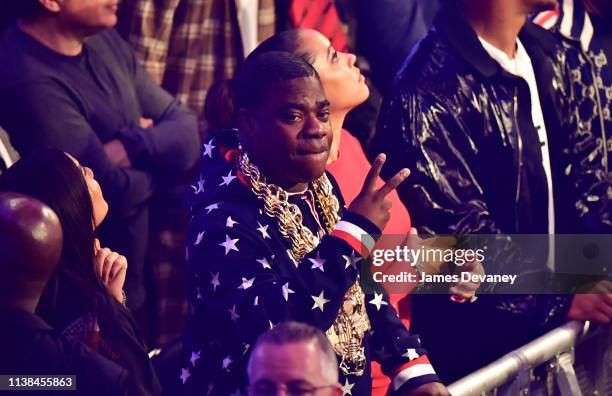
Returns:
(532,354)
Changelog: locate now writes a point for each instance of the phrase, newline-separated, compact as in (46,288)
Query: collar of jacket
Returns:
(572,21)
(457,32)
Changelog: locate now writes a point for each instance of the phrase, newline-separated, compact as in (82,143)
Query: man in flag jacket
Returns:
(262,253)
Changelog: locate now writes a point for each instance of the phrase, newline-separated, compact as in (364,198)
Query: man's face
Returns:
(289,133)
(88,16)
(535,6)
(297,366)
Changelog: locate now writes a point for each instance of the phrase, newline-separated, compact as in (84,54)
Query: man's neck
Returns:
(496,22)
(48,32)
(337,120)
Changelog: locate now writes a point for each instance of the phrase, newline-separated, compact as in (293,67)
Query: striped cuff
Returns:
(358,232)
(415,373)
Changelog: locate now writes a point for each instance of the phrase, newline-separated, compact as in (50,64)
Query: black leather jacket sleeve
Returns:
(443,192)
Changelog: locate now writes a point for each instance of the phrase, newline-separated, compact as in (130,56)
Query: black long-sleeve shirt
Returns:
(29,346)
(79,103)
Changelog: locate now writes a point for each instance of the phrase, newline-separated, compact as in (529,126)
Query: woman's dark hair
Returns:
(288,41)
(50,176)
(219,106)
(260,70)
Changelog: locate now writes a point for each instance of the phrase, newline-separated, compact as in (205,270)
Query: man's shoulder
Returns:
(18,63)
(111,46)
(431,67)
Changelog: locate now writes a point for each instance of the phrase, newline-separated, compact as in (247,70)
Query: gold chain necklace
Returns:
(288,215)
(352,323)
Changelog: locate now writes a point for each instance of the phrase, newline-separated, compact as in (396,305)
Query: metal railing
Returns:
(513,374)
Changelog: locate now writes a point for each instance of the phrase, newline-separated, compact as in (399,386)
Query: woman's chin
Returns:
(100,215)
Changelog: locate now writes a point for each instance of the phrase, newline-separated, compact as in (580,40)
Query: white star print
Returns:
(212,207)
(256,302)
(229,223)
(351,260)
(199,238)
(319,301)
(226,362)
(227,179)
(246,283)
(317,262)
(233,314)
(200,187)
(378,301)
(411,354)
(264,263)
(215,281)
(229,244)
(185,374)
(271,324)
(194,357)
(347,387)
(246,348)
(208,149)
(287,291)
(263,230)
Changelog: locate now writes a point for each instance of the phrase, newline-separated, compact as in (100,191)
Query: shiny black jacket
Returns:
(463,126)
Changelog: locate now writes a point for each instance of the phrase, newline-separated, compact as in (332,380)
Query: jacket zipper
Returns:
(520,155)
(600,110)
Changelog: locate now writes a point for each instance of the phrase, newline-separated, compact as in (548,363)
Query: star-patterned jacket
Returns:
(242,282)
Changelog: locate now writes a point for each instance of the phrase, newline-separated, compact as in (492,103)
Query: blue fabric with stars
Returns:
(242,282)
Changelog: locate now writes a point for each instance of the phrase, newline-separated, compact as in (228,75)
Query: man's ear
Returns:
(51,5)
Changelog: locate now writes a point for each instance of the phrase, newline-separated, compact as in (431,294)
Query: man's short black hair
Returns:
(16,9)
(261,70)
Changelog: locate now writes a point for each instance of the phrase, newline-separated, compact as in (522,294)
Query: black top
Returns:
(78,103)
(119,338)
(28,345)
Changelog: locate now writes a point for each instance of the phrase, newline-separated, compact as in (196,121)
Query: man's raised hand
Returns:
(371,202)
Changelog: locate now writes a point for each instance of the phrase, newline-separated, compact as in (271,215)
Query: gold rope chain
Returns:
(289,216)
(352,323)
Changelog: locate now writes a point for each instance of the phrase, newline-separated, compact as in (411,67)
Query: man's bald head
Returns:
(31,245)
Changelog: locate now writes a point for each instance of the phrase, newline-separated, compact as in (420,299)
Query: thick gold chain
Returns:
(352,323)
(289,216)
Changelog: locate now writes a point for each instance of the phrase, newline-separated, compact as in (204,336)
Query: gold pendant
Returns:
(348,331)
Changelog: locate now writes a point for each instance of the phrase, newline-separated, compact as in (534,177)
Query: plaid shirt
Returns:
(187,45)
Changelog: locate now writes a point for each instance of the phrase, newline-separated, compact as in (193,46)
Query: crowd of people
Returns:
(497,123)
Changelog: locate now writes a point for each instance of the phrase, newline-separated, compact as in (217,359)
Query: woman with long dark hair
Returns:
(84,296)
